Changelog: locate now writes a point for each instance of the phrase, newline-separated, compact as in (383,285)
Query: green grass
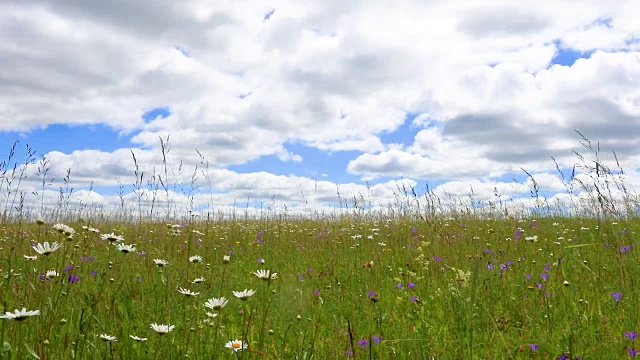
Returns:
(442,289)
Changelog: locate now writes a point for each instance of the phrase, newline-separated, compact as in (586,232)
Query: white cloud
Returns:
(331,75)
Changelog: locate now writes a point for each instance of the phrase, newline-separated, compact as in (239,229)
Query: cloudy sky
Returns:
(296,102)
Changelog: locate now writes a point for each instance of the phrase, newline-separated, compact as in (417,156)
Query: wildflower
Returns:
(45,248)
(108,338)
(226,259)
(19,315)
(565,283)
(62,228)
(376,339)
(162,328)
(187,292)
(534,347)
(415,299)
(616,296)
(411,285)
(316,292)
(244,295)
(236,345)
(195,259)
(260,261)
(211,315)
(138,338)
(50,274)
(111,237)
(623,249)
(633,352)
(216,303)
(631,335)
(160,262)
(198,280)
(349,353)
(363,342)
(265,274)
(34,257)
(400,286)
(126,248)
(73,279)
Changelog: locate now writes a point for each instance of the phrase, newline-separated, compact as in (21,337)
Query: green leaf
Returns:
(31,352)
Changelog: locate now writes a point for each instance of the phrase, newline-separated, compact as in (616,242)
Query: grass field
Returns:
(407,286)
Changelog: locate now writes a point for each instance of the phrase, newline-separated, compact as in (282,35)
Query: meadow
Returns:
(462,286)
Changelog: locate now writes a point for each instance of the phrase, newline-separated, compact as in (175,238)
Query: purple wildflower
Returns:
(616,296)
(73,279)
(624,249)
(544,276)
(631,335)
(376,339)
(68,268)
(415,299)
(528,276)
(301,277)
(539,285)
(363,342)
(316,292)
(633,352)
(93,273)
(534,347)
(490,266)
(436,258)
(349,352)
(411,285)
(399,286)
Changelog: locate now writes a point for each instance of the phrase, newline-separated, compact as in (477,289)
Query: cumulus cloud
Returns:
(244,79)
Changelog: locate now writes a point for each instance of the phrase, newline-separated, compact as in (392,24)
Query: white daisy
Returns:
(198,280)
(51,274)
(126,248)
(244,295)
(138,338)
(216,303)
(19,315)
(236,345)
(46,248)
(211,315)
(187,292)
(162,328)
(195,259)
(226,259)
(108,338)
(62,228)
(161,262)
(28,257)
(265,274)
(111,237)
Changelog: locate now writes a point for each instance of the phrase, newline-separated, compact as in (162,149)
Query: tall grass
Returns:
(423,278)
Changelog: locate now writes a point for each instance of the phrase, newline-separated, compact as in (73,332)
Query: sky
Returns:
(309,106)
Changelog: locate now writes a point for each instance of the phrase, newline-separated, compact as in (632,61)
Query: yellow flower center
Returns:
(236,345)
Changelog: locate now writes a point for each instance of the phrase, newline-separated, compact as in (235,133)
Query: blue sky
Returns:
(380,102)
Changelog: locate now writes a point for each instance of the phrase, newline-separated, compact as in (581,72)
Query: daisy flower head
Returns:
(226,259)
(195,259)
(216,303)
(162,328)
(111,237)
(19,315)
(64,229)
(187,292)
(198,280)
(211,315)
(160,262)
(126,248)
(244,295)
(138,338)
(265,274)
(50,274)
(236,345)
(29,257)
(108,338)
(46,248)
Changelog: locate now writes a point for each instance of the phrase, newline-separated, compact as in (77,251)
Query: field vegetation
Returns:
(419,280)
